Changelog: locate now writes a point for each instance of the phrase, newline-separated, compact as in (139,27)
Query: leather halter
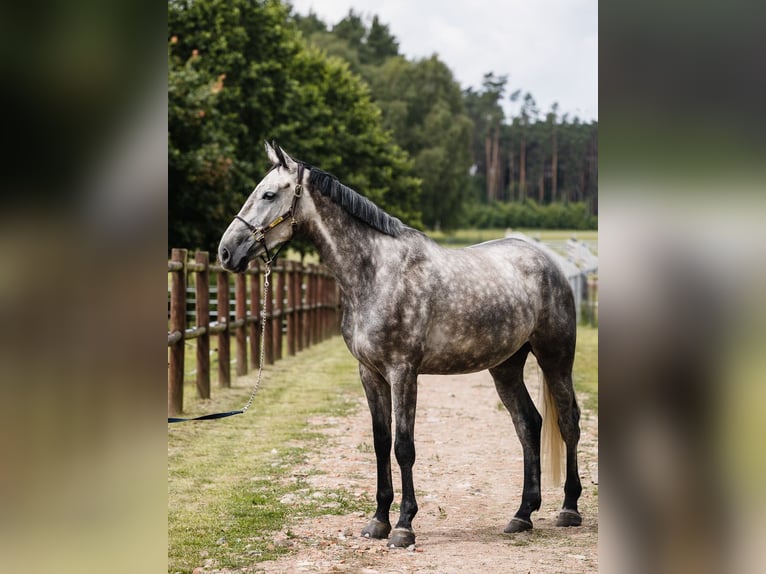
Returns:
(259,233)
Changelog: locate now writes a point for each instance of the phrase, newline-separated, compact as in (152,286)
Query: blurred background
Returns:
(129,126)
(391,116)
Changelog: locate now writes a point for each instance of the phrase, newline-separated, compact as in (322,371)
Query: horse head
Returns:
(267,219)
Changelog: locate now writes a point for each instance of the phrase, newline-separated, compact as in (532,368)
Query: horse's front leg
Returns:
(378,394)
(404,383)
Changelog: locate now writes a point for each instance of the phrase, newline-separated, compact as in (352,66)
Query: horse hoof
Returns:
(517,525)
(376,529)
(401,538)
(568,517)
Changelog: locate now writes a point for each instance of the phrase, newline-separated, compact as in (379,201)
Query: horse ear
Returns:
(273,157)
(288,162)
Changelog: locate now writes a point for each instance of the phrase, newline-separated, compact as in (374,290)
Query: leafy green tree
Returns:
(201,151)
(422,105)
(552,119)
(464,147)
(381,44)
(487,114)
(246,67)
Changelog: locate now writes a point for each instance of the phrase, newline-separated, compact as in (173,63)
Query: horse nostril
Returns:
(224,255)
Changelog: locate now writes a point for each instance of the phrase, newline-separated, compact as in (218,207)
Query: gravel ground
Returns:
(468,480)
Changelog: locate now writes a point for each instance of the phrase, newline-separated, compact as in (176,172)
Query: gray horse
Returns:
(411,307)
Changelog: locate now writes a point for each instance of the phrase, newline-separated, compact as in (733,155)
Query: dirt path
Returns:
(468,479)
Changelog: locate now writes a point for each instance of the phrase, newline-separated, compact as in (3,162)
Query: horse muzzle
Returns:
(235,257)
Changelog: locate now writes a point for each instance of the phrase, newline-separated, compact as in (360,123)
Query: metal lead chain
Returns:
(266,284)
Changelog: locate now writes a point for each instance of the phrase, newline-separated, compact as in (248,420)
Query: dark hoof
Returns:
(517,525)
(401,538)
(569,517)
(376,529)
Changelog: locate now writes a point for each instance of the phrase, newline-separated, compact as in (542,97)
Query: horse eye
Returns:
(269,195)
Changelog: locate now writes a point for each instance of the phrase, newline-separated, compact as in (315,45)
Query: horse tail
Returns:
(551,444)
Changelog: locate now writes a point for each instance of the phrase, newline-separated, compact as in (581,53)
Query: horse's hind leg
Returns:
(378,394)
(509,382)
(556,361)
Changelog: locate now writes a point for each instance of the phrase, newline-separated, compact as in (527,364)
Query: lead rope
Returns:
(257,384)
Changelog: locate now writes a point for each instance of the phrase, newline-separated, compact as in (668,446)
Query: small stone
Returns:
(576,556)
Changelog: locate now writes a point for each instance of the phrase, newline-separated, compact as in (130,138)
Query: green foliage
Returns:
(201,151)
(465,148)
(342,97)
(527,155)
(530,214)
(421,103)
(239,73)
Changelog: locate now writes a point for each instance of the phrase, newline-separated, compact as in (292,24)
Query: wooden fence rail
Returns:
(303,309)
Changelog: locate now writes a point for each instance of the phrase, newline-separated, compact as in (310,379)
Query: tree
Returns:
(487,114)
(422,105)
(254,79)
(463,146)
(552,118)
(514,97)
(528,113)
(381,44)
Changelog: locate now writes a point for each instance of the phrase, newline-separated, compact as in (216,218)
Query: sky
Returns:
(546,47)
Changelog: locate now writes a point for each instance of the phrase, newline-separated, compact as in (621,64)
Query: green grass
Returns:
(224,480)
(585,373)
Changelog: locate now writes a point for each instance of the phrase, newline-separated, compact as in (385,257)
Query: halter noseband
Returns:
(259,233)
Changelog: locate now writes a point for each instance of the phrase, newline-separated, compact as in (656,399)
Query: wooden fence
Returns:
(302,309)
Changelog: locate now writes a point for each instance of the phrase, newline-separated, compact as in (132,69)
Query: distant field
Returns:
(463,237)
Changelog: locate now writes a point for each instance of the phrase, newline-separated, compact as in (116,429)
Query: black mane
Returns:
(355,204)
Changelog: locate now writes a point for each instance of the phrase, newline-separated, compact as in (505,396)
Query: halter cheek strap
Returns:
(259,233)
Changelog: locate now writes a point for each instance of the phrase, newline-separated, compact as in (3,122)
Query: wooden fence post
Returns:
(330,307)
(292,312)
(177,324)
(306,310)
(240,310)
(299,313)
(318,312)
(224,361)
(279,310)
(268,332)
(255,314)
(314,305)
(202,316)
(337,311)
(325,306)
